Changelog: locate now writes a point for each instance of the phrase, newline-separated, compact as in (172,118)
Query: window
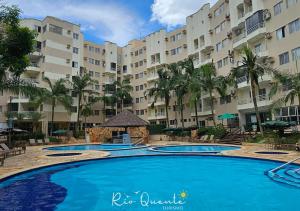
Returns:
(218,29)
(220,10)
(75,64)
(225,100)
(142,112)
(225,61)
(142,87)
(96,112)
(124,68)
(113,66)
(75,50)
(141,75)
(196,44)
(173,51)
(37,28)
(91,48)
(97,74)
(178,36)
(1,109)
(141,63)
(136,64)
(141,51)
(294,26)
(137,100)
(97,50)
(218,46)
(289,3)
(91,61)
(136,76)
(152,59)
(55,29)
(141,99)
(91,73)
(280,33)
(137,112)
(97,87)
(44,28)
(136,53)
(97,62)
(284,58)
(172,38)
(296,54)
(257,48)
(75,36)
(44,43)
(224,43)
(137,88)
(278,8)
(219,63)
(74,109)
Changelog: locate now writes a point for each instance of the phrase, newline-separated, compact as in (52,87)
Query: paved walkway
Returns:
(35,156)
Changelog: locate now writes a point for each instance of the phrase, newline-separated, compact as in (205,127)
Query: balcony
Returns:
(152,77)
(240,40)
(158,115)
(157,103)
(243,81)
(36,54)
(20,99)
(247,103)
(256,32)
(33,68)
(110,81)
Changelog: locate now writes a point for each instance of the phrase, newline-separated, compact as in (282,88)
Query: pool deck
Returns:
(36,157)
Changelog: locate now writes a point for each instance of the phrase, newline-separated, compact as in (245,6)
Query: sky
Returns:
(117,21)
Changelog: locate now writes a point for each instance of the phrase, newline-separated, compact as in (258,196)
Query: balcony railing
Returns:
(255,27)
(241,79)
(239,37)
(259,98)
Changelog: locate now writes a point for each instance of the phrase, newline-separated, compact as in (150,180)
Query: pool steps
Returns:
(287,173)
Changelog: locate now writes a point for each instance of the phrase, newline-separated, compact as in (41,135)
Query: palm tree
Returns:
(81,86)
(123,90)
(162,89)
(291,83)
(86,112)
(56,93)
(211,83)
(179,85)
(194,87)
(35,117)
(252,68)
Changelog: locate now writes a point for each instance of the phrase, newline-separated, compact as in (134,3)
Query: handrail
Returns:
(283,165)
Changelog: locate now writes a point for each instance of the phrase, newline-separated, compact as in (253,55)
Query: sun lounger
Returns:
(10,151)
(204,138)
(47,141)
(212,139)
(2,158)
(40,141)
(32,141)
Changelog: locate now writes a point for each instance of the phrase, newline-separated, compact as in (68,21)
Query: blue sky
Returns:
(115,20)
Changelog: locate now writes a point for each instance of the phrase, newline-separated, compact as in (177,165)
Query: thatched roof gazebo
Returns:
(125,119)
(124,122)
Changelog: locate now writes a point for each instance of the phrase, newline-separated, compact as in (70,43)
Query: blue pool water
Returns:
(195,148)
(210,183)
(104,147)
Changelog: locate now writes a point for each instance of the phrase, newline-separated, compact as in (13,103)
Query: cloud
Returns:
(172,13)
(101,18)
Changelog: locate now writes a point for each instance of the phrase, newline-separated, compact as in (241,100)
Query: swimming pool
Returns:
(194,148)
(150,183)
(104,147)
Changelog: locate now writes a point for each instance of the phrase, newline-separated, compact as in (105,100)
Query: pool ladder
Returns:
(286,174)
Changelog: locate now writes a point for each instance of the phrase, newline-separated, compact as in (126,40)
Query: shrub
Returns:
(79,134)
(156,129)
(55,140)
(219,131)
(202,131)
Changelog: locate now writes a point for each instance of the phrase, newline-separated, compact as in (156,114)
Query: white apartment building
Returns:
(214,33)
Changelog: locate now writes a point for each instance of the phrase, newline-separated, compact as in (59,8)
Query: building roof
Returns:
(125,119)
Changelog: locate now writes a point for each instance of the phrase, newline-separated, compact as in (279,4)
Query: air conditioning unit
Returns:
(184,45)
(184,31)
(227,1)
(267,15)
(209,15)
(211,31)
(167,52)
(268,35)
(227,17)
(229,35)
(166,39)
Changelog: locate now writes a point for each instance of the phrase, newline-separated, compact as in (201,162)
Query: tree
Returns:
(194,87)
(56,93)
(15,45)
(291,83)
(86,112)
(179,85)
(252,68)
(81,86)
(162,89)
(35,118)
(211,83)
(123,90)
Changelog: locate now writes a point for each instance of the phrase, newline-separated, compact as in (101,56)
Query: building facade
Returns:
(214,33)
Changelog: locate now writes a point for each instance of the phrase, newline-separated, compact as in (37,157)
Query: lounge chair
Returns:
(40,141)
(212,139)
(204,138)
(32,141)
(2,158)
(47,141)
(13,151)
